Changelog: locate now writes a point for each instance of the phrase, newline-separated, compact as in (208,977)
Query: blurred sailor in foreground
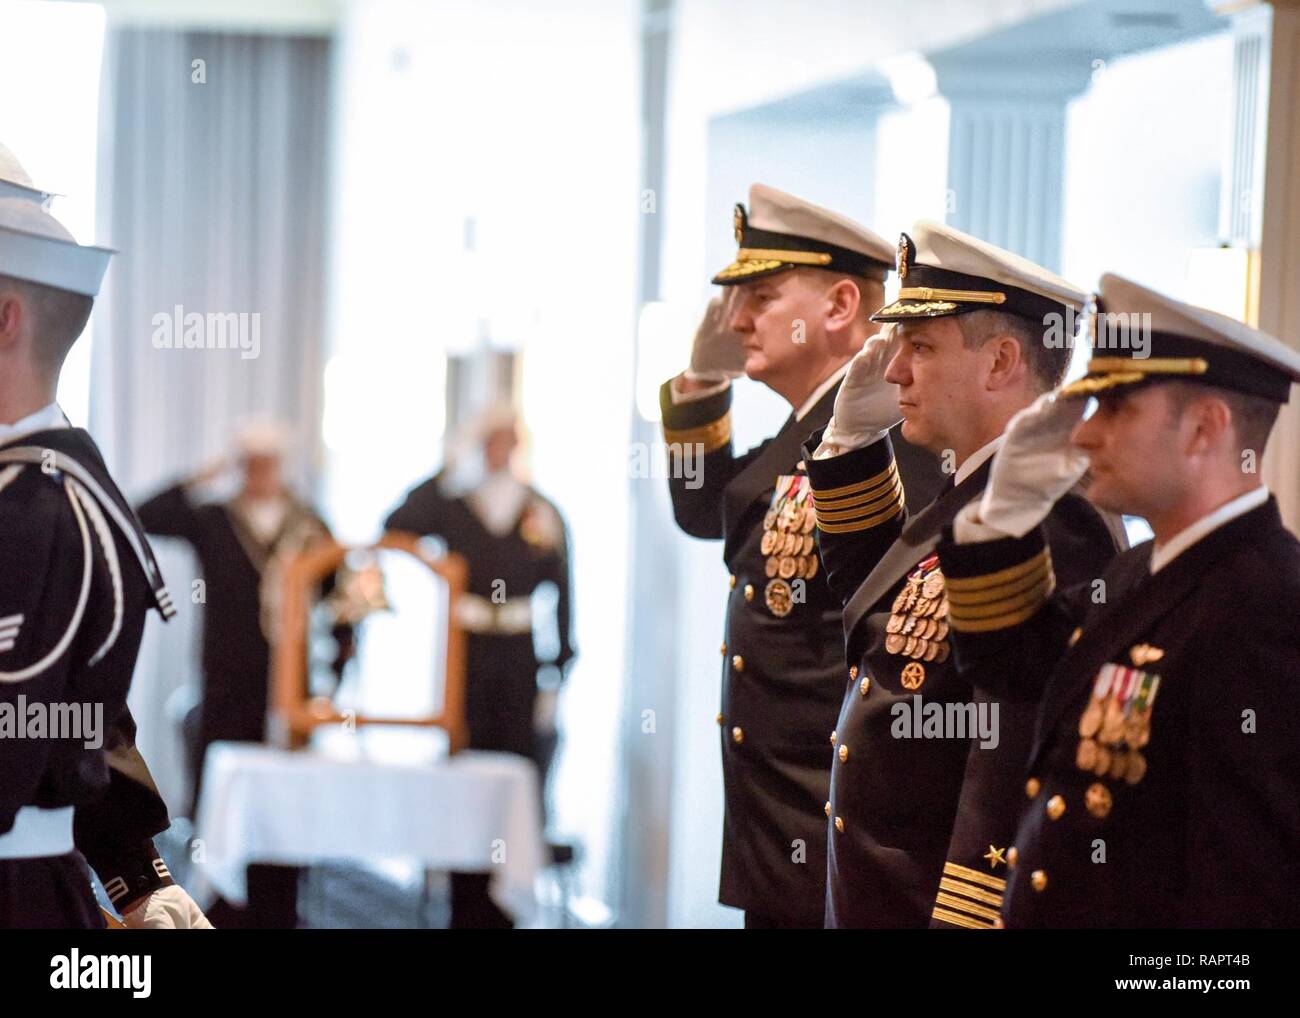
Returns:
(77,578)
(803,287)
(241,544)
(1163,787)
(514,541)
(921,807)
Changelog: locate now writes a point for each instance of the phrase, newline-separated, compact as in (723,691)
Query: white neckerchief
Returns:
(264,516)
(976,458)
(1163,554)
(498,500)
(43,420)
(821,391)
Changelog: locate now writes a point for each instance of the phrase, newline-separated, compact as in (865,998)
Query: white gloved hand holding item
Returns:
(1034,467)
(866,405)
(717,354)
(168,908)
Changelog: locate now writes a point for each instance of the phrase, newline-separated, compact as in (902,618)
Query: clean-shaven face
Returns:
(780,321)
(940,381)
(1136,444)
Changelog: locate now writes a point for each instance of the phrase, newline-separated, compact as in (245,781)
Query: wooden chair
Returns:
(300,712)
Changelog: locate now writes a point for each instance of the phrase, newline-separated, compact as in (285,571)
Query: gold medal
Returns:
(809,519)
(909,646)
(943,608)
(899,601)
(1085,757)
(922,645)
(808,544)
(1137,768)
(777,596)
(786,567)
(941,630)
(943,653)
(909,626)
(771,567)
(769,519)
(913,593)
(1118,764)
(933,585)
(1090,721)
(932,651)
(895,623)
(769,539)
(812,566)
(1112,725)
(894,642)
(1102,764)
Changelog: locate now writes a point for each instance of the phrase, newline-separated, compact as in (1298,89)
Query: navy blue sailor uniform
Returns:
(1163,784)
(783,661)
(77,579)
(907,811)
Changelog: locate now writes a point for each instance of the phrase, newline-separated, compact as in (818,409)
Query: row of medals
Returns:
(788,541)
(918,626)
(1113,729)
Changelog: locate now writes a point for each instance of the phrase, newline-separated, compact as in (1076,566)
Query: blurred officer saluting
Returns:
(77,578)
(803,287)
(1163,785)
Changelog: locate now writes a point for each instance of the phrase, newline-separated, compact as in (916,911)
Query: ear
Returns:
(843,301)
(1210,420)
(11,320)
(1006,362)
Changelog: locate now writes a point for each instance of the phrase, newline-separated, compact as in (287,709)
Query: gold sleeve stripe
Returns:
(865,523)
(973,598)
(952,869)
(835,514)
(858,486)
(1035,595)
(970,891)
(996,623)
(965,583)
(965,907)
(846,501)
(713,435)
(957,919)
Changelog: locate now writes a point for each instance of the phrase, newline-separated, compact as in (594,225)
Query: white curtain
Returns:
(212,178)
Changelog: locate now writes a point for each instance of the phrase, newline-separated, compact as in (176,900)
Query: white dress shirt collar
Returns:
(821,391)
(43,420)
(1163,554)
(975,459)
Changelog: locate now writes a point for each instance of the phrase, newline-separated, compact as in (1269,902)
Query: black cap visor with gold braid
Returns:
(1170,357)
(765,253)
(930,292)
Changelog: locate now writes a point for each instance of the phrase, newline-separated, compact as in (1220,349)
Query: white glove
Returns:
(717,353)
(1035,466)
(168,908)
(866,405)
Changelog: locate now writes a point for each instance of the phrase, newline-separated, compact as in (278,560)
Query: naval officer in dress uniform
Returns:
(924,767)
(803,286)
(77,579)
(1163,785)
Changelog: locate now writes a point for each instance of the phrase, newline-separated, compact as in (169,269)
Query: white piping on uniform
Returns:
(8,474)
(114,567)
(62,645)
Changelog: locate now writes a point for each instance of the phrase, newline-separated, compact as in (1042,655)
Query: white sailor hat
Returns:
(15,182)
(942,271)
(781,232)
(263,437)
(1141,337)
(38,248)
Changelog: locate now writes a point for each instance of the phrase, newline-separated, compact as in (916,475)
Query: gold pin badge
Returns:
(913,675)
(902,256)
(738,221)
(1144,654)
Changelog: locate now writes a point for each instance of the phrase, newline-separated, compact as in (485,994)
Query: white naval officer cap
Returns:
(15,181)
(780,232)
(36,247)
(942,271)
(1179,342)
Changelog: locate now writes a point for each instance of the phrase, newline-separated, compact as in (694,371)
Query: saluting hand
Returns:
(866,404)
(1035,466)
(716,353)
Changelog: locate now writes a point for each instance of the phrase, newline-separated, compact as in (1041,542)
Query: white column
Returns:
(1006,146)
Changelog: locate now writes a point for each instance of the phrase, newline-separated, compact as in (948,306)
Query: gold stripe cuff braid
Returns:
(711,436)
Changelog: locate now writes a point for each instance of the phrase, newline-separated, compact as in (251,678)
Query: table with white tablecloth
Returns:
(475,811)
